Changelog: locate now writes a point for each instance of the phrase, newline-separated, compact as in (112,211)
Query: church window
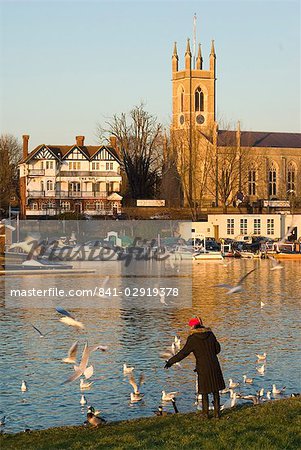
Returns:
(199,100)
(291,178)
(252,182)
(182,101)
(272,179)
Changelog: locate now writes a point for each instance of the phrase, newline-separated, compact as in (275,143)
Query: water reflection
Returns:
(136,335)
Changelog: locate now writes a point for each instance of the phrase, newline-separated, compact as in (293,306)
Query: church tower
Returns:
(193,92)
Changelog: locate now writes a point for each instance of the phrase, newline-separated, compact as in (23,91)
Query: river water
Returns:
(136,334)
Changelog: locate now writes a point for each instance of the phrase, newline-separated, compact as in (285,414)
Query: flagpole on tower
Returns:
(194,40)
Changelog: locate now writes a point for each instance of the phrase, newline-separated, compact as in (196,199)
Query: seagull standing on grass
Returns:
(236,288)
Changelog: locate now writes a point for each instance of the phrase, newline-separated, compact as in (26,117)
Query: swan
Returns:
(230,403)
(247,380)
(232,384)
(278,391)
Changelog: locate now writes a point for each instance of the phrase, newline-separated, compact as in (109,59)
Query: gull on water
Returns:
(177,342)
(237,287)
(262,357)
(2,421)
(83,400)
(68,319)
(136,396)
(247,380)
(232,384)
(268,395)
(84,384)
(127,370)
(253,398)
(261,369)
(71,358)
(24,386)
(168,396)
(278,391)
(82,369)
(262,304)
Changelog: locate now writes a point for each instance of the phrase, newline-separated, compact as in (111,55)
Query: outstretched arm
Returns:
(185,351)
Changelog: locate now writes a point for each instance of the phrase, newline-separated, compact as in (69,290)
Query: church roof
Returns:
(260,139)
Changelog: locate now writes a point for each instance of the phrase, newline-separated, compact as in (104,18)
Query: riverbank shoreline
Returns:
(271,425)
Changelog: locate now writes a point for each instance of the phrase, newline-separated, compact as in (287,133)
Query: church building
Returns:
(225,167)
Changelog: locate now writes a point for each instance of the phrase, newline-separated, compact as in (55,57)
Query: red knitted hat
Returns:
(195,321)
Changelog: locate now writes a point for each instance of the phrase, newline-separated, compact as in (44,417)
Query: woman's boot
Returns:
(216,405)
(205,406)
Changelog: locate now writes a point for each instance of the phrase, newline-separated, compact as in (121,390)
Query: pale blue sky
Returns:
(67,65)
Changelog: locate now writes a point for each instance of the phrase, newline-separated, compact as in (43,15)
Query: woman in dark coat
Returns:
(204,345)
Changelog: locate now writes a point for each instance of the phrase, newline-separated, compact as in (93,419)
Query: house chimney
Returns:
(25,145)
(80,141)
(113,142)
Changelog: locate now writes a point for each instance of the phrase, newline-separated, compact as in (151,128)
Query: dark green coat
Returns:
(204,345)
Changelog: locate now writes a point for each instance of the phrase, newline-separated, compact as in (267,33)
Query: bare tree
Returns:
(10,152)
(139,137)
(193,153)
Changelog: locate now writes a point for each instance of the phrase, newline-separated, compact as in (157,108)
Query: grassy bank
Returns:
(273,425)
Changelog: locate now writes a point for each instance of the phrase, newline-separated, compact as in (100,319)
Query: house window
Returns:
(74,165)
(110,186)
(243,226)
(109,166)
(90,206)
(272,180)
(95,165)
(99,206)
(34,206)
(49,185)
(270,226)
(49,164)
(291,178)
(252,182)
(257,226)
(74,186)
(199,100)
(230,226)
(65,206)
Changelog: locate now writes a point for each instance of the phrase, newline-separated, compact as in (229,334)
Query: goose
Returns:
(262,357)
(230,403)
(84,385)
(275,264)
(93,418)
(261,369)
(232,384)
(237,287)
(136,396)
(83,400)
(68,319)
(127,369)
(82,369)
(168,397)
(247,380)
(71,358)
(278,391)
(161,412)
(24,386)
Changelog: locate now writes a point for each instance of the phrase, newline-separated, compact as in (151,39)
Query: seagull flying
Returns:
(68,319)
(82,369)
(71,359)
(275,264)
(40,333)
(136,395)
(237,287)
